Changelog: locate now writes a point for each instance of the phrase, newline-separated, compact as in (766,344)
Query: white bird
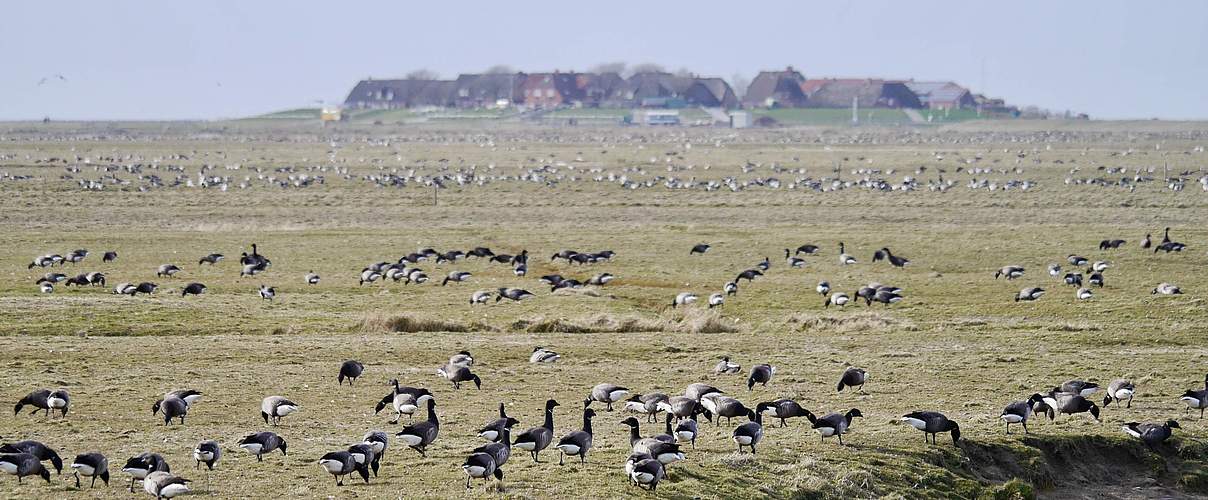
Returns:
(480,297)
(823,288)
(267,292)
(1084,294)
(47,288)
(312,278)
(683,299)
(716,300)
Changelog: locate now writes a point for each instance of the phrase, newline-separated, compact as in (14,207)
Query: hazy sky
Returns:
(214,59)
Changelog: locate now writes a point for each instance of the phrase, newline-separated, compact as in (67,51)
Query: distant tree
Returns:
(499,69)
(739,83)
(612,67)
(647,68)
(423,74)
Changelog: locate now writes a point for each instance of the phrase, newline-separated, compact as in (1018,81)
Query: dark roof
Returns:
(870,92)
(783,87)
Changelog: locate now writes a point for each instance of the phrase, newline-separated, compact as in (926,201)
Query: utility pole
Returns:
(855,110)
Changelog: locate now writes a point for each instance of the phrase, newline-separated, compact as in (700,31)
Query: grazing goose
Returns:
(37,399)
(731,288)
(480,297)
(716,300)
(47,288)
(606,393)
(792,261)
(514,294)
(1029,294)
(683,299)
(807,249)
(1069,403)
(369,276)
(823,288)
(22,465)
(1084,294)
(852,377)
(543,355)
(341,464)
(638,443)
(1073,279)
(644,470)
(267,292)
(726,367)
(1166,289)
(480,252)
(1151,434)
(1145,243)
(501,450)
(311,278)
(365,456)
(1099,266)
(262,443)
(688,430)
(749,275)
(866,293)
(578,442)
(377,441)
(894,259)
(647,404)
(845,259)
(37,449)
(276,408)
(1019,412)
(551,279)
(932,423)
(567,283)
(419,435)
(143,464)
(161,484)
(764,264)
(1111,244)
(699,249)
(404,400)
(835,424)
(1119,390)
(1076,260)
(1011,272)
(146,288)
(684,407)
(167,270)
(91,465)
(1054,270)
(1197,399)
(207,452)
(886,297)
(538,438)
(838,298)
(480,465)
(456,276)
(351,370)
(458,374)
(750,433)
(495,430)
(1079,387)
(725,406)
(462,358)
(1096,279)
(193,289)
(125,289)
(783,409)
(51,278)
(173,407)
(760,374)
(697,391)
(109,256)
(211,259)
(600,279)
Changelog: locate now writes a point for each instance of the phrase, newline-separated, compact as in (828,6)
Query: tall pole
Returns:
(855,110)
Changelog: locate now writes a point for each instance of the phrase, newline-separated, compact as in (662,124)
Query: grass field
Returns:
(958,343)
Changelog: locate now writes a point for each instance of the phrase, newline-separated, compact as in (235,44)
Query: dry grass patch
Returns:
(410,323)
(845,323)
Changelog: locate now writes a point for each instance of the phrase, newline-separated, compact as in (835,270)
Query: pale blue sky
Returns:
(214,59)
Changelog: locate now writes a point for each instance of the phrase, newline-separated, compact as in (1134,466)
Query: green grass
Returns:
(292,114)
(832,117)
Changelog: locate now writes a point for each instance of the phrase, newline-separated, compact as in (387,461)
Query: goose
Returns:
(764,265)
(563,254)
(211,259)
(600,279)
(109,256)
(644,470)
(697,391)
(866,293)
(207,452)
(42,261)
(521,270)
(143,464)
(421,434)
(267,292)
(42,400)
(78,280)
(1100,266)
(731,288)
(161,484)
(823,288)
(699,249)
(22,465)
(838,299)
(458,374)
(1084,294)
(1054,270)
(1096,279)
(551,279)
(480,297)
(649,404)
(480,465)
(1073,279)
(193,289)
(1029,294)
(251,270)
(365,456)
(351,370)
(1011,272)
(1076,260)
(47,288)
(760,374)
(1145,243)
(276,408)
(262,443)
(462,358)
(495,430)
(503,258)
(342,463)
(369,276)
(932,423)
(96,278)
(538,438)
(886,297)
(499,451)
(716,300)
(377,441)
(807,249)
(749,275)
(125,289)
(167,270)
(792,261)
(894,259)
(514,294)
(1079,387)
(480,252)
(91,465)
(1019,412)
(173,407)
(1119,390)
(404,400)
(1111,244)
(1166,289)
(567,283)
(836,424)
(1197,399)
(395,272)
(852,377)
(726,367)
(1151,434)
(456,276)
(606,393)
(311,278)
(37,449)
(683,299)
(637,443)
(190,396)
(577,442)
(1069,403)
(688,430)
(51,278)
(783,409)
(845,259)
(146,288)
(543,355)
(724,406)
(750,433)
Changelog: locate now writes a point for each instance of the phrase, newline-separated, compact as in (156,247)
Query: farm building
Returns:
(868,92)
(776,89)
(488,90)
(942,95)
(711,93)
(396,94)
(550,90)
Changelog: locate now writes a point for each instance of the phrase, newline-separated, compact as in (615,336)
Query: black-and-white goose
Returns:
(47,288)
(835,424)
(700,248)
(1069,403)
(480,297)
(806,249)
(784,409)
(600,279)
(606,393)
(1147,242)
(311,278)
(167,270)
(579,442)
(51,278)
(458,374)
(764,264)
(1073,279)
(369,276)
(1084,294)
(852,377)
(543,355)
(207,452)
(760,374)
(726,367)
(421,434)
(1197,399)
(109,256)
(1095,279)
(125,289)
(162,484)
(276,408)
(495,430)
(1079,387)
(262,443)
(895,260)
(794,262)
(537,439)
(932,423)
(142,465)
(1151,434)
(377,441)
(1019,412)
(1054,270)
(92,465)
(1077,260)
(823,288)
(649,404)
(46,400)
(688,430)
(340,464)
(698,390)
(173,407)
(23,465)
(193,289)
(480,465)
(456,277)
(268,293)
(37,449)
(404,400)
(731,288)
(501,450)
(1010,272)
(644,470)
(750,433)
(749,275)
(716,300)
(1111,244)
(211,259)
(1166,289)
(1029,294)
(844,258)
(365,456)
(1120,390)
(513,294)
(146,288)
(683,299)
(461,358)
(725,406)
(351,370)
